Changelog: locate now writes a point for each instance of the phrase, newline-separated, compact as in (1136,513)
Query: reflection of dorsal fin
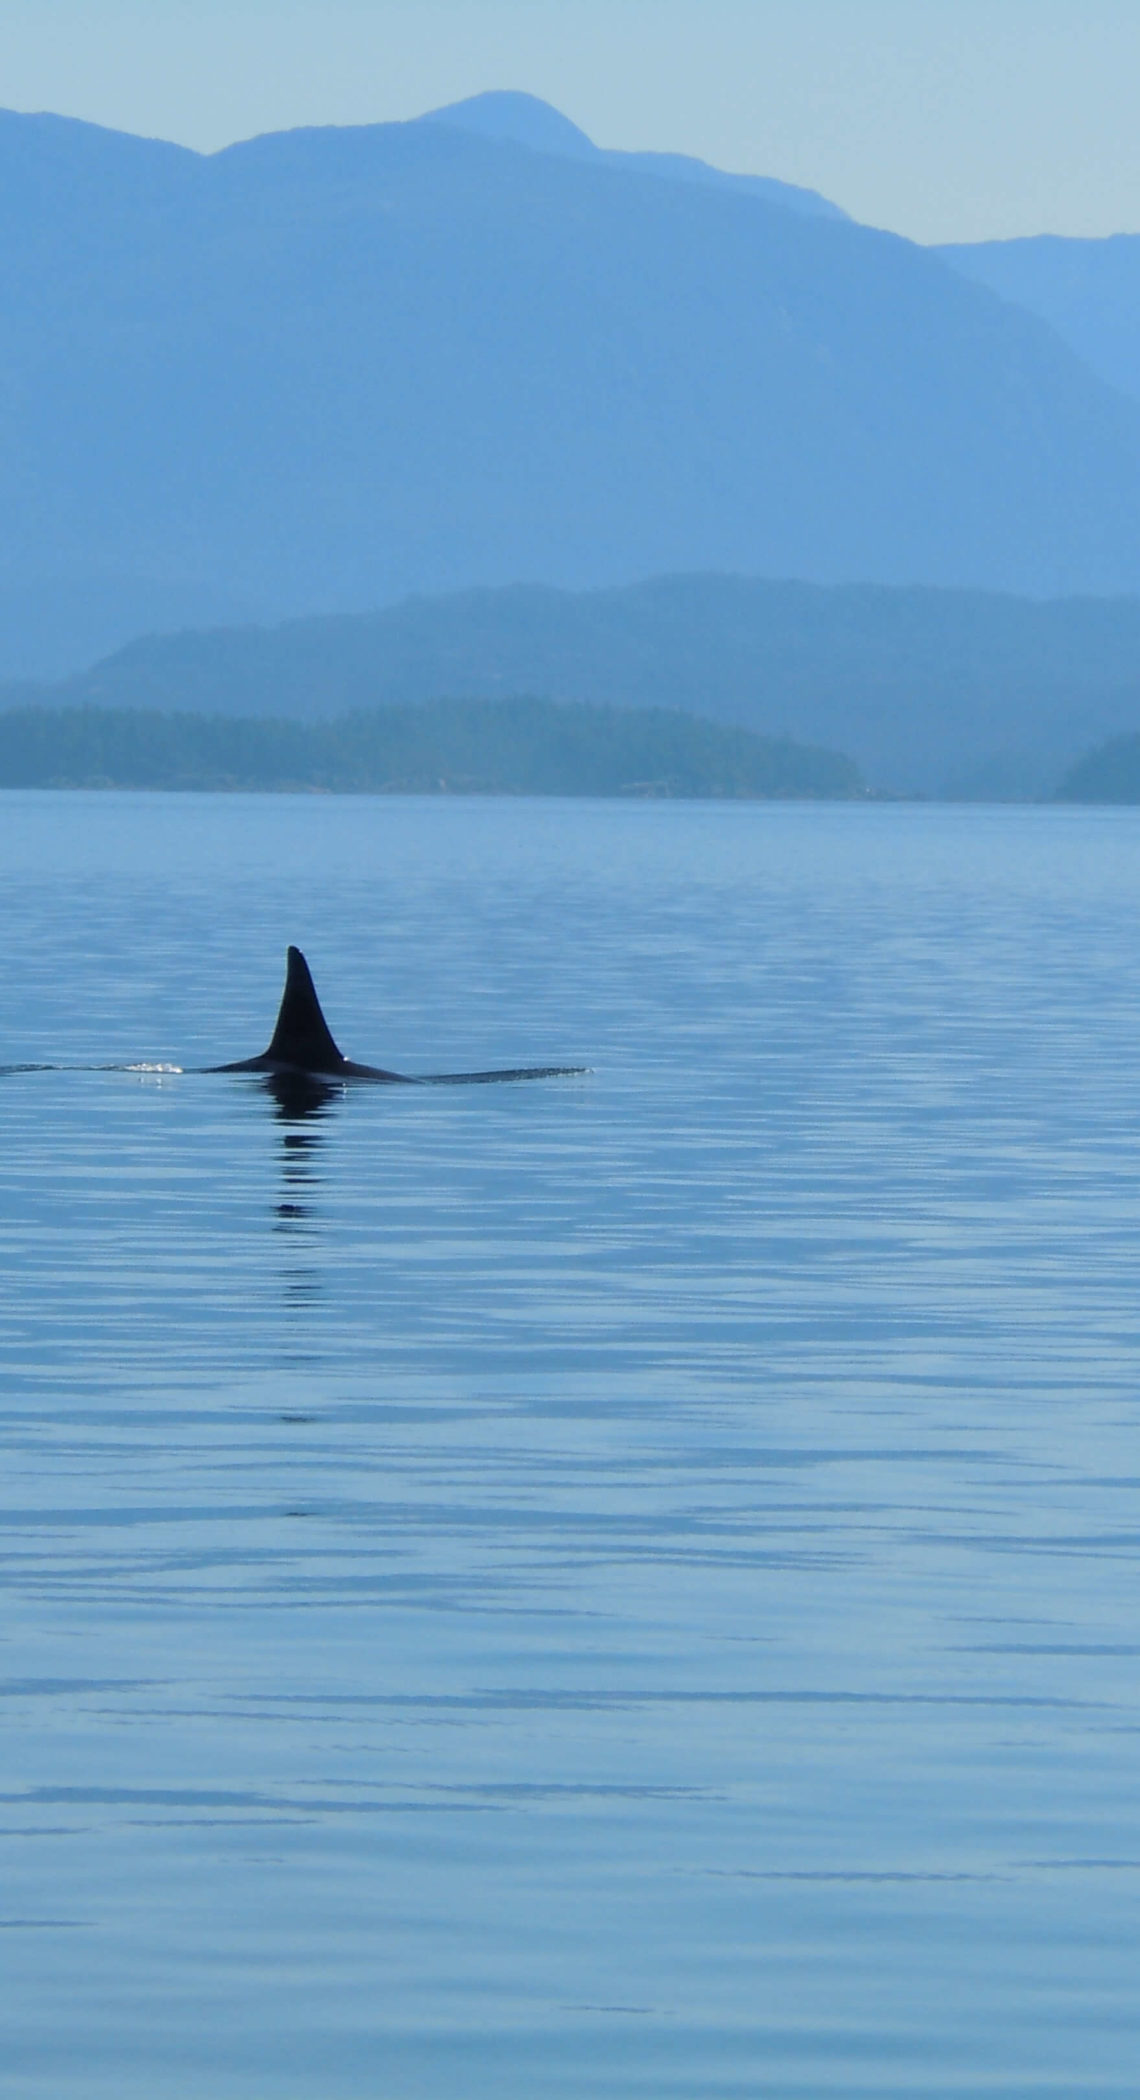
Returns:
(302,1037)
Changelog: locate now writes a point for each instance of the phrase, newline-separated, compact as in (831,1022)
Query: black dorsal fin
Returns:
(301,1037)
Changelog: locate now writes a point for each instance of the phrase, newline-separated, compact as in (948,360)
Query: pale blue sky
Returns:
(944,119)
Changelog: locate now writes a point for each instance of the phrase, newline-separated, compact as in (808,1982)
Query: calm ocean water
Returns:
(624,1586)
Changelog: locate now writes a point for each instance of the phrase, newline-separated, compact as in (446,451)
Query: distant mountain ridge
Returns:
(326,368)
(928,690)
(51,626)
(526,121)
(1088,291)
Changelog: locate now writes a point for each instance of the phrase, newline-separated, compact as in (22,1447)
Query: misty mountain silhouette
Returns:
(527,121)
(1087,290)
(324,368)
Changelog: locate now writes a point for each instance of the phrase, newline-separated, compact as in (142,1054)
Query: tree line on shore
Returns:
(508,746)
(517,746)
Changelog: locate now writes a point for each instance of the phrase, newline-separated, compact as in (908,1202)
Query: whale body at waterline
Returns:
(303,1048)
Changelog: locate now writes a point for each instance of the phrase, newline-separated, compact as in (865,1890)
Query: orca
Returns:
(302,1048)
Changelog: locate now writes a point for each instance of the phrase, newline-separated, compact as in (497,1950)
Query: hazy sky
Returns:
(945,119)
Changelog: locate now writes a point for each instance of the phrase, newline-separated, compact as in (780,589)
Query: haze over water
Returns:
(625,1585)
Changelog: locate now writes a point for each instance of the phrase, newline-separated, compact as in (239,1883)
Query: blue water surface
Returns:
(618,1586)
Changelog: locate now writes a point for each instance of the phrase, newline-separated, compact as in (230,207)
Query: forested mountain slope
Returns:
(325,368)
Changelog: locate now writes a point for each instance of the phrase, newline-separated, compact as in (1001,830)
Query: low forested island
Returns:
(478,747)
(1110,773)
